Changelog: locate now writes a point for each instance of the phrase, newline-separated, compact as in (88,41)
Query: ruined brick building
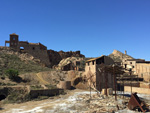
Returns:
(99,78)
(39,51)
(138,67)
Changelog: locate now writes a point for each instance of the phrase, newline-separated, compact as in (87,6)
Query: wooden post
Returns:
(131,80)
(114,82)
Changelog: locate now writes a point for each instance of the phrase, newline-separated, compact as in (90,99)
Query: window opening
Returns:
(14,38)
(21,48)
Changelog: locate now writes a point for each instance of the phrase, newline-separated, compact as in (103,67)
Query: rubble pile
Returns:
(102,103)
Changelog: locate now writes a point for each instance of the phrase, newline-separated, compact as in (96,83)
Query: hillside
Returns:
(117,56)
(24,63)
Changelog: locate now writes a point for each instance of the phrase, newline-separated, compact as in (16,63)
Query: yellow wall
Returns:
(143,70)
(137,89)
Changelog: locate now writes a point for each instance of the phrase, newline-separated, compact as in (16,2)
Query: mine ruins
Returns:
(113,83)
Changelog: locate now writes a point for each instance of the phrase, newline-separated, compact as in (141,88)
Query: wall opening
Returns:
(14,38)
(7,44)
(21,48)
(33,48)
(93,62)
(2,97)
(125,66)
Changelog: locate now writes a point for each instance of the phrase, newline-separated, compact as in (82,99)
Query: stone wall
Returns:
(36,50)
(143,70)
(137,89)
(144,85)
(45,92)
(103,79)
(90,66)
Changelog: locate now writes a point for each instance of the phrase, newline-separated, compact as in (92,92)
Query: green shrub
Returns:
(36,87)
(51,86)
(17,96)
(12,74)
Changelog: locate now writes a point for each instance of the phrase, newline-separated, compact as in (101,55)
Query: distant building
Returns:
(131,63)
(138,67)
(99,78)
(37,50)
(143,70)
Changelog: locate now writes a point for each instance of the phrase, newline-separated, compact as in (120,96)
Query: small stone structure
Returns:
(45,92)
(64,85)
(109,91)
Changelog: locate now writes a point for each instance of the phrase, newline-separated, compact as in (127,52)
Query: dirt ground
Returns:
(37,106)
(75,101)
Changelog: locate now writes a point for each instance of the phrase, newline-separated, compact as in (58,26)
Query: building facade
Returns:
(143,70)
(99,78)
(138,67)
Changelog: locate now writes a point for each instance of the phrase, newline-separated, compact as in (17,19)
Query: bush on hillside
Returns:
(12,74)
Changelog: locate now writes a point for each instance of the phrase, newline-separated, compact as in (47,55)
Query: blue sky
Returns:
(94,27)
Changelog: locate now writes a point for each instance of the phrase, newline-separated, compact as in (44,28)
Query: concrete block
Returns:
(109,91)
(103,91)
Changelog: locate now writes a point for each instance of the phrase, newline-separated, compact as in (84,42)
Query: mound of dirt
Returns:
(46,77)
(82,86)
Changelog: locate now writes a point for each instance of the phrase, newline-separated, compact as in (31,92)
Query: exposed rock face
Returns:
(118,56)
(75,62)
(55,57)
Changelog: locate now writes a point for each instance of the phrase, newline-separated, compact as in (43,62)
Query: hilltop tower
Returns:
(13,42)
(125,52)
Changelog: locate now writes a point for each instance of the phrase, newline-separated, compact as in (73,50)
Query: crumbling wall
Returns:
(36,50)
(39,51)
(45,92)
(55,57)
(104,80)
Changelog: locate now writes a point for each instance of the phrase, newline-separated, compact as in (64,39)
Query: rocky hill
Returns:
(23,62)
(117,56)
(55,57)
(68,60)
